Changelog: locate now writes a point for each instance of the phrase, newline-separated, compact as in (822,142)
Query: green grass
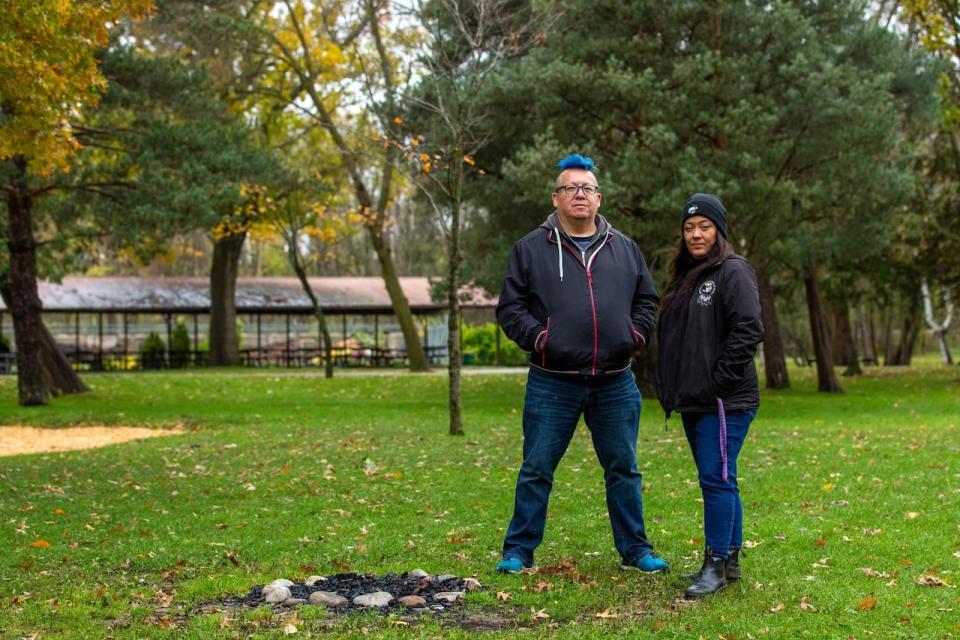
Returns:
(271,472)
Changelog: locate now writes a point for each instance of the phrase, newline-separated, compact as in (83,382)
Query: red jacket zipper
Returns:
(593,309)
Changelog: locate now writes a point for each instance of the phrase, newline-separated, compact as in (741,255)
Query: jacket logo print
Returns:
(705,293)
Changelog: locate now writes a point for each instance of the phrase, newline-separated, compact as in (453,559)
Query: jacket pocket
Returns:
(637,336)
(540,344)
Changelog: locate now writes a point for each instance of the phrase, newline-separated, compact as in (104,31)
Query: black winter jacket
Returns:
(707,343)
(578,312)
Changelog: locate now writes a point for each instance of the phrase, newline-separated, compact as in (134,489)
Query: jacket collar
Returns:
(553,222)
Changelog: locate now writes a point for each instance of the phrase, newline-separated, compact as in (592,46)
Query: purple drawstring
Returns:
(723,437)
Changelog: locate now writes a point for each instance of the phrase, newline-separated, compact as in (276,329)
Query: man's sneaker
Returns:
(510,565)
(650,563)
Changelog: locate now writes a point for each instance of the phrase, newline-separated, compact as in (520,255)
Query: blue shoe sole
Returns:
(630,567)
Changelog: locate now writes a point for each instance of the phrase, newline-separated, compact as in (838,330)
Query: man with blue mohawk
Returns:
(578,296)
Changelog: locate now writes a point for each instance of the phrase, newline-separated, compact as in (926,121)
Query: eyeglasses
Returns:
(572,189)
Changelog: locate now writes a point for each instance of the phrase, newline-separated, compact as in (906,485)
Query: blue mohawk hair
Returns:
(576,161)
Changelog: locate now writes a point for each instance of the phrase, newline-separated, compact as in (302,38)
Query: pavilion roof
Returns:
(352,295)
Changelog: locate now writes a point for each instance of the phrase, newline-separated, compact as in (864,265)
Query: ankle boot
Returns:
(733,565)
(693,577)
(712,580)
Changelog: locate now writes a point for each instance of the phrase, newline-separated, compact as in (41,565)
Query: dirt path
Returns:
(16,440)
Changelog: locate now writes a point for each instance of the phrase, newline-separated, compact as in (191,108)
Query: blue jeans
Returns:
(551,410)
(722,510)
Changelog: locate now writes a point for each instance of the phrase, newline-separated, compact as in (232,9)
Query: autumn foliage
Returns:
(49,71)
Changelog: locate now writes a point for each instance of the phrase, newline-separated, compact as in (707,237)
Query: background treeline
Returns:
(368,137)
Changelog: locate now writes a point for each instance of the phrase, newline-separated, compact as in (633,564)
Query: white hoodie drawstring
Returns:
(559,253)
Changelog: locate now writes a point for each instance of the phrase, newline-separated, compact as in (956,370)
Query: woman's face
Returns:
(699,234)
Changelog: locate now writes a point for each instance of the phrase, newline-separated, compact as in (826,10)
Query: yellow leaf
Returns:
(503,596)
(867,603)
(606,614)
(398,120)
(469,160)
(40,544)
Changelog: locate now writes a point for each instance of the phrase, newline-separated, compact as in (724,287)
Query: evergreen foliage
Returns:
(180,348)
(153,352)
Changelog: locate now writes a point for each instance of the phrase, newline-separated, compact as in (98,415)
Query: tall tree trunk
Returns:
(375,214)
(844,344)
(61,376)
(888,345)
(224,348)
(21,285)
(317,310)
(454,260)
(867,332)
(820,332)
(774,359)
(909,330)
(399,302)
(938,329)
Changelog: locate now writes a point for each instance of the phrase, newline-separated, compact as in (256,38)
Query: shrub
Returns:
(481,340)
(180,346)
(152,352)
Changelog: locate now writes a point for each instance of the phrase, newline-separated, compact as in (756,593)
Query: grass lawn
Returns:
(850,501)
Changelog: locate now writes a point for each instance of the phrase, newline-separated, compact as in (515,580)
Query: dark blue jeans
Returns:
(551,410)
(722,511)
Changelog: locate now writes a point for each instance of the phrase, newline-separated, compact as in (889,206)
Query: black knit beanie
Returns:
(709,206)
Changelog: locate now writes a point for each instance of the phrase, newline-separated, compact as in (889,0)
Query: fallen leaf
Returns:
(399,623)
(805,605)
(911,515)
(232,557)
(750,544)
(289,629)
(819,542)
(606,614)
(225,622)
(59,512)
(166,623)
(930,580)
(867,603)
(541,615)
(777,608)
(40,544)
(875,574)
(543,585)
(659,624)
(503,596)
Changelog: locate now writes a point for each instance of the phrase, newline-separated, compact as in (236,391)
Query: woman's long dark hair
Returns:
(685,270)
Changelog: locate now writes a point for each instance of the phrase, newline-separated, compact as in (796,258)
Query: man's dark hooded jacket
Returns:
(579,312)
(707,341)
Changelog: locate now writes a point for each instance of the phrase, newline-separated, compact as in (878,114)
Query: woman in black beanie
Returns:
(709,330)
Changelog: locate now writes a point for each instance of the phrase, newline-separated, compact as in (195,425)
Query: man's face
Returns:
(699,234)
(577,206)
